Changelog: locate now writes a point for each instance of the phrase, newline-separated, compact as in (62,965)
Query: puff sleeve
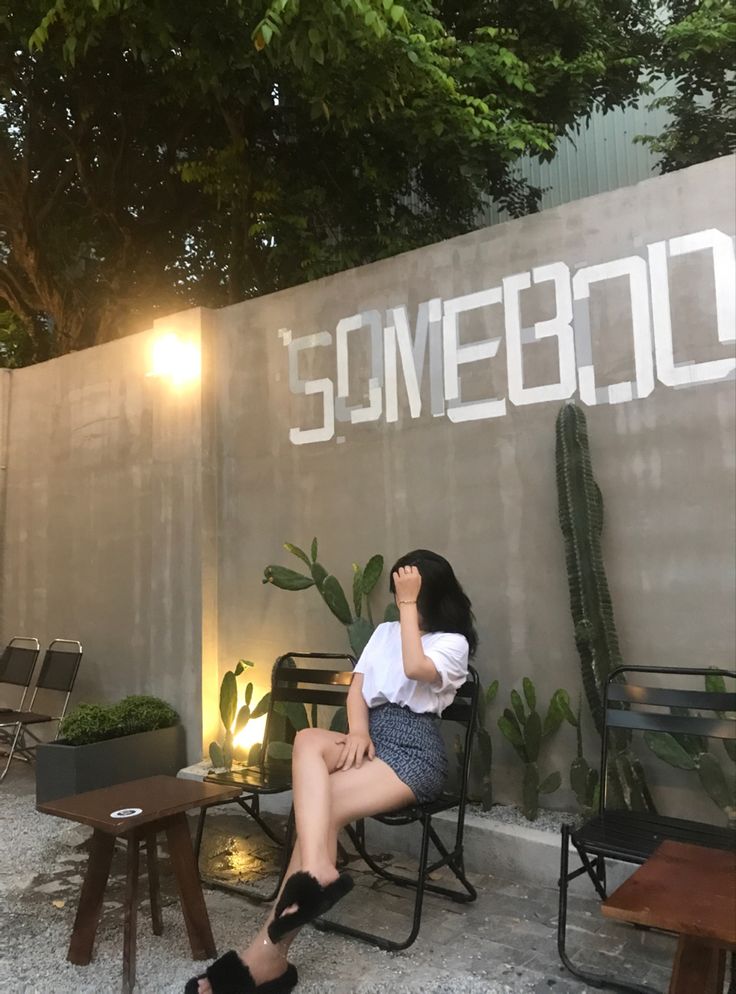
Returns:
(450,657)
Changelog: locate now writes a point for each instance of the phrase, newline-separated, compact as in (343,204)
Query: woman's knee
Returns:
(310,740)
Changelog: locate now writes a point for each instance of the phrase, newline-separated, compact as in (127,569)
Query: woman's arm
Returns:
(417,666)
(357,744)
(357,708)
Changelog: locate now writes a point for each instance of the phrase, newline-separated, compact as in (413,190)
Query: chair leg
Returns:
(10,752)
(325,925)
(601,872)
(593,979)
(454,860)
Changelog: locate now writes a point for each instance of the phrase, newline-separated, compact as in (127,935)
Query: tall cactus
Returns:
(581,519)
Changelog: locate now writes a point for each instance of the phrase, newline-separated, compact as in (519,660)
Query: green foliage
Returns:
(234,720)
(156,155)
(359,625)
(522,726)
(581,519)
(485,744)
(692,63)
(692,754)
(482,756)
(142,713)
(89,723)
(22,344)
(584,779)
(288,718)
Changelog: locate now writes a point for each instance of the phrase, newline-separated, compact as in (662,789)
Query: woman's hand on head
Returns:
(355,747)
(407,583)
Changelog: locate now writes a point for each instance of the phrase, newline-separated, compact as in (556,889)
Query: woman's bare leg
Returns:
(352,794)
(315,756)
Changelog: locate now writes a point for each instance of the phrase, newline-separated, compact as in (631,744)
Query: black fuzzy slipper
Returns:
(311,898)
(229,975)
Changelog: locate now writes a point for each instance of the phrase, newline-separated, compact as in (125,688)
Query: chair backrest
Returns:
(18,660)
(307,685)
(464,711)
(60,666)
(632,704)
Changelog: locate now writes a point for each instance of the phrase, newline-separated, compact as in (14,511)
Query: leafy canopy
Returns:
(156,155)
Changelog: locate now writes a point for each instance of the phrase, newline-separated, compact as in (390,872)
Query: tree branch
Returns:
(65,177)
(15,294)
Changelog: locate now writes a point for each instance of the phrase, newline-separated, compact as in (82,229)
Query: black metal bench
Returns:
(632,836)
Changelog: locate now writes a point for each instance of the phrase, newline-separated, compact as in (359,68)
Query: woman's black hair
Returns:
(442,603)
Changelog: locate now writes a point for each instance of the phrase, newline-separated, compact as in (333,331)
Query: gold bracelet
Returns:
(407,602)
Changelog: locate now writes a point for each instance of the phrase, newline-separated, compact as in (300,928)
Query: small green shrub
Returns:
(143,714)
(89,723)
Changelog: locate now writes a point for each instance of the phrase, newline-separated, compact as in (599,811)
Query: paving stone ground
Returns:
(504,942)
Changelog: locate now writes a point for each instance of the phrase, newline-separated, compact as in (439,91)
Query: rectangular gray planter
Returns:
(63,770)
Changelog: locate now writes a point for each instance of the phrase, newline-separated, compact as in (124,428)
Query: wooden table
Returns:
(689,890)
(163,802)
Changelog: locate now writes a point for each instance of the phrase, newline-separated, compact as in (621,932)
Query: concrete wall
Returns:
(483,492)
(141,520)
(102,527)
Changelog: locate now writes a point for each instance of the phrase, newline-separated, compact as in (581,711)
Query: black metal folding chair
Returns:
(17,664)
(58,673)
(632,836)
(463,710)
(289,685)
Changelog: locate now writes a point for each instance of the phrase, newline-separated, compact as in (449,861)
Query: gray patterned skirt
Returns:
(412,746)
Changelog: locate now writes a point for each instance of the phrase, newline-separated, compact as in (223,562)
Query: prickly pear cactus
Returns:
(234,721)
(359,627)
(693,753)
(522,726)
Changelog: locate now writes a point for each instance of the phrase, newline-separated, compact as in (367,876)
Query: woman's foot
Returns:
(324,873)
(305,898)
(264,965)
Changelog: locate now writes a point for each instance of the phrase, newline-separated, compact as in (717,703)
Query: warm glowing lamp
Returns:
(176,360)
(251,734)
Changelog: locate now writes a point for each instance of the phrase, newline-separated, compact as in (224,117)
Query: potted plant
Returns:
(100,745)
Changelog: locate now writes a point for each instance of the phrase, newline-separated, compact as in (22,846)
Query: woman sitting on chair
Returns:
(392,757)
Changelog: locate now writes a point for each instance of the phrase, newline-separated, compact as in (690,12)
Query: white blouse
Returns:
(384,680)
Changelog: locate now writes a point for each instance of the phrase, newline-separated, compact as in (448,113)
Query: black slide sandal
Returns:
(229,975)
(311,898)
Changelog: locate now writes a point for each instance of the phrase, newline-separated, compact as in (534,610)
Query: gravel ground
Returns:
(511,814)
(42,860)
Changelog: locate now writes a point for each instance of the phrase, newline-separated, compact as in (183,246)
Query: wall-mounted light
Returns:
(176,360)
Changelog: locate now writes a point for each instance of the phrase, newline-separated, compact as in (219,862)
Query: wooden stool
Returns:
(691,891)
(137,811)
